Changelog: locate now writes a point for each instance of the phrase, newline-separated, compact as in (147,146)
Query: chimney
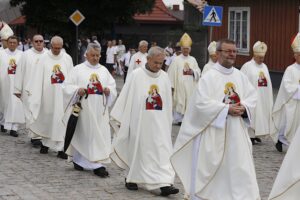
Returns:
(176,7)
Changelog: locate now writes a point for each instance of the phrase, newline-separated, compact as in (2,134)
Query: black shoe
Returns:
(131,186)
(13,133)
(77,167)
(62,155)
(279,146)
(44,149)
(257,140)
(3,130)
(252,141)
(179,123)
(36,142)
(166,191)
(101,171)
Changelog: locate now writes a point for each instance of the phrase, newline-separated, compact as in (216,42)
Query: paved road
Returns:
(26,174)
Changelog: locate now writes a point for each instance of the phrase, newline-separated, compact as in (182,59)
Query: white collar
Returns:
(255,63)
(184,57)
(38,52)
(222,69)
(11,53)
(55,57)
(87,63)
(151,74)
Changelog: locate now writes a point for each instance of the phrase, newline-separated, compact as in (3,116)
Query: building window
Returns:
(239,27)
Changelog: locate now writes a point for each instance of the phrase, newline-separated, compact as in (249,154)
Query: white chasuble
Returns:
(287,182)
(92,137)
(222,166)
(143,143)
(182,81)
(25,72)
(137,60)
(260,79)
(287,108)
(11,106)
(46,99)
(208,66)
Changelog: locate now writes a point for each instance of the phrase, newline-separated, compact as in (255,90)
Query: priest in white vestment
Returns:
(212,51)
(24,74)
(258,74)
(139,59)
(287,182)
(142,144)
(46,97)
(5,32)
(91,144)
(184,74)
(287,105)
(213,152)
(13,114)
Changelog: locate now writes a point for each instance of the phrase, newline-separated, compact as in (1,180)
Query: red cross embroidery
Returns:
(138,61)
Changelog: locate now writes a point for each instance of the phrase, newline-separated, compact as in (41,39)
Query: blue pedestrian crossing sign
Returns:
(212,16)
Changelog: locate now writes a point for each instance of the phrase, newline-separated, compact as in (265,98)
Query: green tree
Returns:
(53,16)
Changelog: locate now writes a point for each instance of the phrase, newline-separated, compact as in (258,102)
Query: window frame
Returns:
(241,51)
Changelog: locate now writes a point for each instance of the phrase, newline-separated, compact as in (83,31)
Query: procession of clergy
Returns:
(218,110)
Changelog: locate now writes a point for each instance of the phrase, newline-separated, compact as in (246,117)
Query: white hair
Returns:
(155,51)
(57,39)
(93,46)
(143,42)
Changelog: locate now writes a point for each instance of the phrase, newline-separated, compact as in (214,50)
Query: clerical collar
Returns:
(9,52)
(184,57)
(38,52)
(255,63)
(297,65)
(222,69)
(87,63)
(152,74)
(55,57)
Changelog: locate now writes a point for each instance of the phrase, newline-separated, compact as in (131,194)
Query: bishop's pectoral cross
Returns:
(138,61)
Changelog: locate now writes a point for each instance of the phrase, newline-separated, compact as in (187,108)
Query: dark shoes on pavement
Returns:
(13,133)
(255,140)
(36,143)
(3,130)
(44,149)
(278,146)
(77,167)
(166,191)
(62,155)
(131,186)
(101,171)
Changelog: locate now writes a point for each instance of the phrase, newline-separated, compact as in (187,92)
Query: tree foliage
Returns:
(52,16)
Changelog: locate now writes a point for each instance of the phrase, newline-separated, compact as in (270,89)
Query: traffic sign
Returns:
(212,16)
(77,17)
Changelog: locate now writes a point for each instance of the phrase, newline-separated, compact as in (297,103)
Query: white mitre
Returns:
(5,31)
(296,44)
(260,48)
(212,48)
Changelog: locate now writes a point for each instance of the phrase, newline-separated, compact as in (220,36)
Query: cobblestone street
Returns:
(26,174)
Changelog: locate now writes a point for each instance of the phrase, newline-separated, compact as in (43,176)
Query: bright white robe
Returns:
(259,76)
(287,108)
(25,72)
(213,159)
(208,66)
(137,60)
(11,106)
(143,143)
(46,99)
(92,137)
(183,85)
(287,182)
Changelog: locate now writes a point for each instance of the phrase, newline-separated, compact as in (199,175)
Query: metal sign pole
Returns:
(76,45)
(210,33)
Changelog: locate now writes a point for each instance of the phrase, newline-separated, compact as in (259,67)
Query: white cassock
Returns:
(24,74)
(143,143)
(91,143)
(208,66)
(11,106)
(287,182)
(287,106)
(183,84)
(46,99)
(260,79)
(138,60)
(213,153)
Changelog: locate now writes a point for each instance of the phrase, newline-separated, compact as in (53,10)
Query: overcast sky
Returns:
(171,2)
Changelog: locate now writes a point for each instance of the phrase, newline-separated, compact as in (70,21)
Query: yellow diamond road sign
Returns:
(77,17)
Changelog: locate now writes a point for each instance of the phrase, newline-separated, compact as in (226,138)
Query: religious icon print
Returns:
(262,81)
(187,70)
(94,86)
(12,66)
(57,76)
(231,96)
(154,101)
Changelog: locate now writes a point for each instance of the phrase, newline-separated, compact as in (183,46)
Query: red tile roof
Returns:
(159,14)
(18,21)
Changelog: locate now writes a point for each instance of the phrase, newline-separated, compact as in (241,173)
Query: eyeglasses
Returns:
(41,41)
(228,51)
